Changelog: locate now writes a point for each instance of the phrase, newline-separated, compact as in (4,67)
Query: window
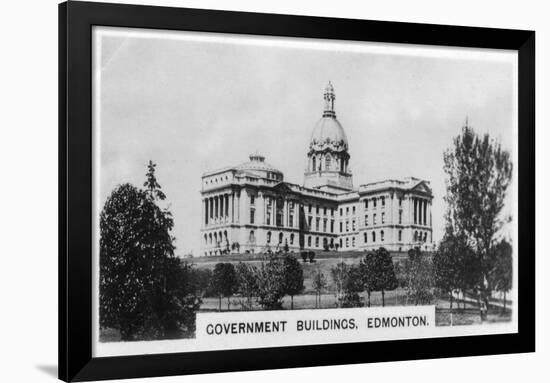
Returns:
(347,226)
(374,202)
(309,223)
(400,217)
(327,162)
(415,236)
(316,241)
(317,223)
(340,243)
(341,212)
(341,227)
(332,212)
(353,210)
(347,242)
(317,210)
(268,237)
(325,225)
(373,236)
(347,210)
(292,238)
(382,236)
(374,219)
(332,226)
(400,202)
(252,211)
(314,165)
(365,236)
(325,211)
(425,237)
(366,204)
(353,225)
(383,217)
(353,241)
(252,200)
(399,235)
(366,220)
(290,219)
(280,237)
(309,208)
(383,201)
(251,236)
(309,241)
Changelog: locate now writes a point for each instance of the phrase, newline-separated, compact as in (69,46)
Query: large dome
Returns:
(328,133)
(258,166)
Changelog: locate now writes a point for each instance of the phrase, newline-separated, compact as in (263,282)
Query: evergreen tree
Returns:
(144,289)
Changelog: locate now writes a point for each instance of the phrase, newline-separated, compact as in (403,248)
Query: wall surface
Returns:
(28,154)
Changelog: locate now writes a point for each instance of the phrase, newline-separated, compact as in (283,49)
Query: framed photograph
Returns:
(246,191)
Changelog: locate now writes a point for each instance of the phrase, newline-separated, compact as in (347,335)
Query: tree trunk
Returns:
(228,303)
(292,302)
(451,306)
(220,303)
(505,302)
(368,297)
(383,301)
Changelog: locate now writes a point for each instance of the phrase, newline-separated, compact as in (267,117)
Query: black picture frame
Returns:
(75,190)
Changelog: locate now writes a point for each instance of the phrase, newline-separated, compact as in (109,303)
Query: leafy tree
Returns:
(294,277)
(247,283)
(224,282)
(348,282)
(319,284)
(419,277)
(368,269)
(200,280)
(144,289)
(304,254)
(448,266)
(383,274)
(311,256)
(271,283)
(478,173)
(501,276)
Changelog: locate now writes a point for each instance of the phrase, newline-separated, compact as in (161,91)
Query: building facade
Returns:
(250,208)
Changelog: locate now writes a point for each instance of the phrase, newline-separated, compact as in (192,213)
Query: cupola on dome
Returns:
(328,132)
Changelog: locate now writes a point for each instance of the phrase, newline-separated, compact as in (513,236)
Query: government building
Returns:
(250,208)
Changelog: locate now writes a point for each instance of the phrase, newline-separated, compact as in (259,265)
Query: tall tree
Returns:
(224,282)
(143,287)
(294,277)
(478,173)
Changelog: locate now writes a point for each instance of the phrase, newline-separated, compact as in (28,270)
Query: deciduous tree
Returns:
(479,173)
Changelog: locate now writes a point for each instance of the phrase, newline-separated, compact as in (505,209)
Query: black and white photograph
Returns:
(268,191)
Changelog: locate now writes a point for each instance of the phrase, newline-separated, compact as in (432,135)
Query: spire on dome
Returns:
(329,97)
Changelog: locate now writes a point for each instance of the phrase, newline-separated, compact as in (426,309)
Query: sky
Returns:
(194,102)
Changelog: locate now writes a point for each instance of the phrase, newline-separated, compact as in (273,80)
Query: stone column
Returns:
(285,213)
(260,209)
(232,207)
(244,207)
(203,213)
(238,206)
